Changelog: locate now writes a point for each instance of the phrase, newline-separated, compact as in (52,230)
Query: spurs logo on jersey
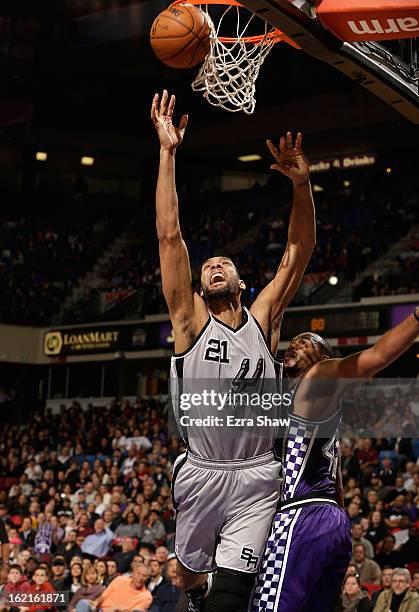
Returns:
(232,359)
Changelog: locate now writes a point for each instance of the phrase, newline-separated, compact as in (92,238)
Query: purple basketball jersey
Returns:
(310,457)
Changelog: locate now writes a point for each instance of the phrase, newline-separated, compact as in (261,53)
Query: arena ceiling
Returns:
(80,75)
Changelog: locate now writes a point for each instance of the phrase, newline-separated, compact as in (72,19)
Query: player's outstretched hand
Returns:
(170,136)
(290,159)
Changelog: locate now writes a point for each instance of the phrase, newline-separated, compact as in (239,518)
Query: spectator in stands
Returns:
(388,556)
(408,552)
(59,573)
(124,593)
(153,529)
(99,542)
(90,588)
(415,580)
(350,466)
(397,490)
(39,586)
(73,582)
(353,598)
(387,474)
(16,582)
(399,597)
(32,564)
(100,565)
(69,546)
(386,575)
(377,486)
(368,570)
(377,529)
(111,571)
(409,476)
(130,527)
(357,538)
(157,579)
(168,594)
(354,513)
(26,533)
(162,554)
(124,558)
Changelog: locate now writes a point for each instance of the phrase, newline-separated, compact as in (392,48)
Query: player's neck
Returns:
(229,311)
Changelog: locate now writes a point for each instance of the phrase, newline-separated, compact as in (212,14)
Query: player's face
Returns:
(302,352)
(220,279)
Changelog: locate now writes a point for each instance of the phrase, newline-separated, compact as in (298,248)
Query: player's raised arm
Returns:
(174,259)
(275,297)
(366,364)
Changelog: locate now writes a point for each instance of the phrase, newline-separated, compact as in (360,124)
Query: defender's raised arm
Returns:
(275,297)
(366,364)
(174,259)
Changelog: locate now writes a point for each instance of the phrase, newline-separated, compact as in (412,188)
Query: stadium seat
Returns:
(412,567)
(372,588)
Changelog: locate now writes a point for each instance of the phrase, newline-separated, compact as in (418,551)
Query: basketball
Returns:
(180,36)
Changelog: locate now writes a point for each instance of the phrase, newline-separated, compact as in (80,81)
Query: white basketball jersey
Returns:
(236,360)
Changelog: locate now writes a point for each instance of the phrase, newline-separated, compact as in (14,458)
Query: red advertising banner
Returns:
(362,20)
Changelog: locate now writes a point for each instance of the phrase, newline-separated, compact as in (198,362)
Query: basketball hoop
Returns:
(229,72)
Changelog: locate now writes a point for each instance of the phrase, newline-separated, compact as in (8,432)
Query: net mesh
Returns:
(228,75)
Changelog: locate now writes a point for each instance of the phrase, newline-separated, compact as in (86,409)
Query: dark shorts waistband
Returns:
(313,499)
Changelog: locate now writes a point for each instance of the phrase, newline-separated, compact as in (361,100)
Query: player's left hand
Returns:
(290,159)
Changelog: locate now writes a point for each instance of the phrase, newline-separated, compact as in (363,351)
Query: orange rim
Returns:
(275,36)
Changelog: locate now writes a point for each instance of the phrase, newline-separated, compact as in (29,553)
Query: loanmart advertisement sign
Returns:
(108,339)
(84,340)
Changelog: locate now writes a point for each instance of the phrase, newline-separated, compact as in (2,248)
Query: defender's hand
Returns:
(170,136)
(290,159)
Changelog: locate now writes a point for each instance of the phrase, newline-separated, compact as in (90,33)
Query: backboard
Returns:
(387,69)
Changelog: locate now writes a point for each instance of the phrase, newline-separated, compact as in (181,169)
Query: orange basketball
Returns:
(180,36)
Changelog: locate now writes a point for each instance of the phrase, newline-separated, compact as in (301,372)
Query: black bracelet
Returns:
(415,315)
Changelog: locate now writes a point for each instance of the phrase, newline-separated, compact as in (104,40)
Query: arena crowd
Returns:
(85,498)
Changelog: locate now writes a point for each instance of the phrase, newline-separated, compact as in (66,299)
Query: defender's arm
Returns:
(366,364)
(275,297)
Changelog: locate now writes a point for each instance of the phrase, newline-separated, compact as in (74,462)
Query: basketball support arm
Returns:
(365,63)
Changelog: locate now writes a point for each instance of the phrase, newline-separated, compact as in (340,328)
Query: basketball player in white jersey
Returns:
(225,488)
(309,549)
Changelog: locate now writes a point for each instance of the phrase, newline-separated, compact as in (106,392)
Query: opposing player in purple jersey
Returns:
(309,548)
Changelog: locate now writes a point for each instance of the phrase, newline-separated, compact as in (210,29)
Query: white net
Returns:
(228,75)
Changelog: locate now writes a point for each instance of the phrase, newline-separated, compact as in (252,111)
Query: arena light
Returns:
(333,280)
(41,156)
(346,183)
(317,188)
(249,158)
(389,170)
(87,161)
